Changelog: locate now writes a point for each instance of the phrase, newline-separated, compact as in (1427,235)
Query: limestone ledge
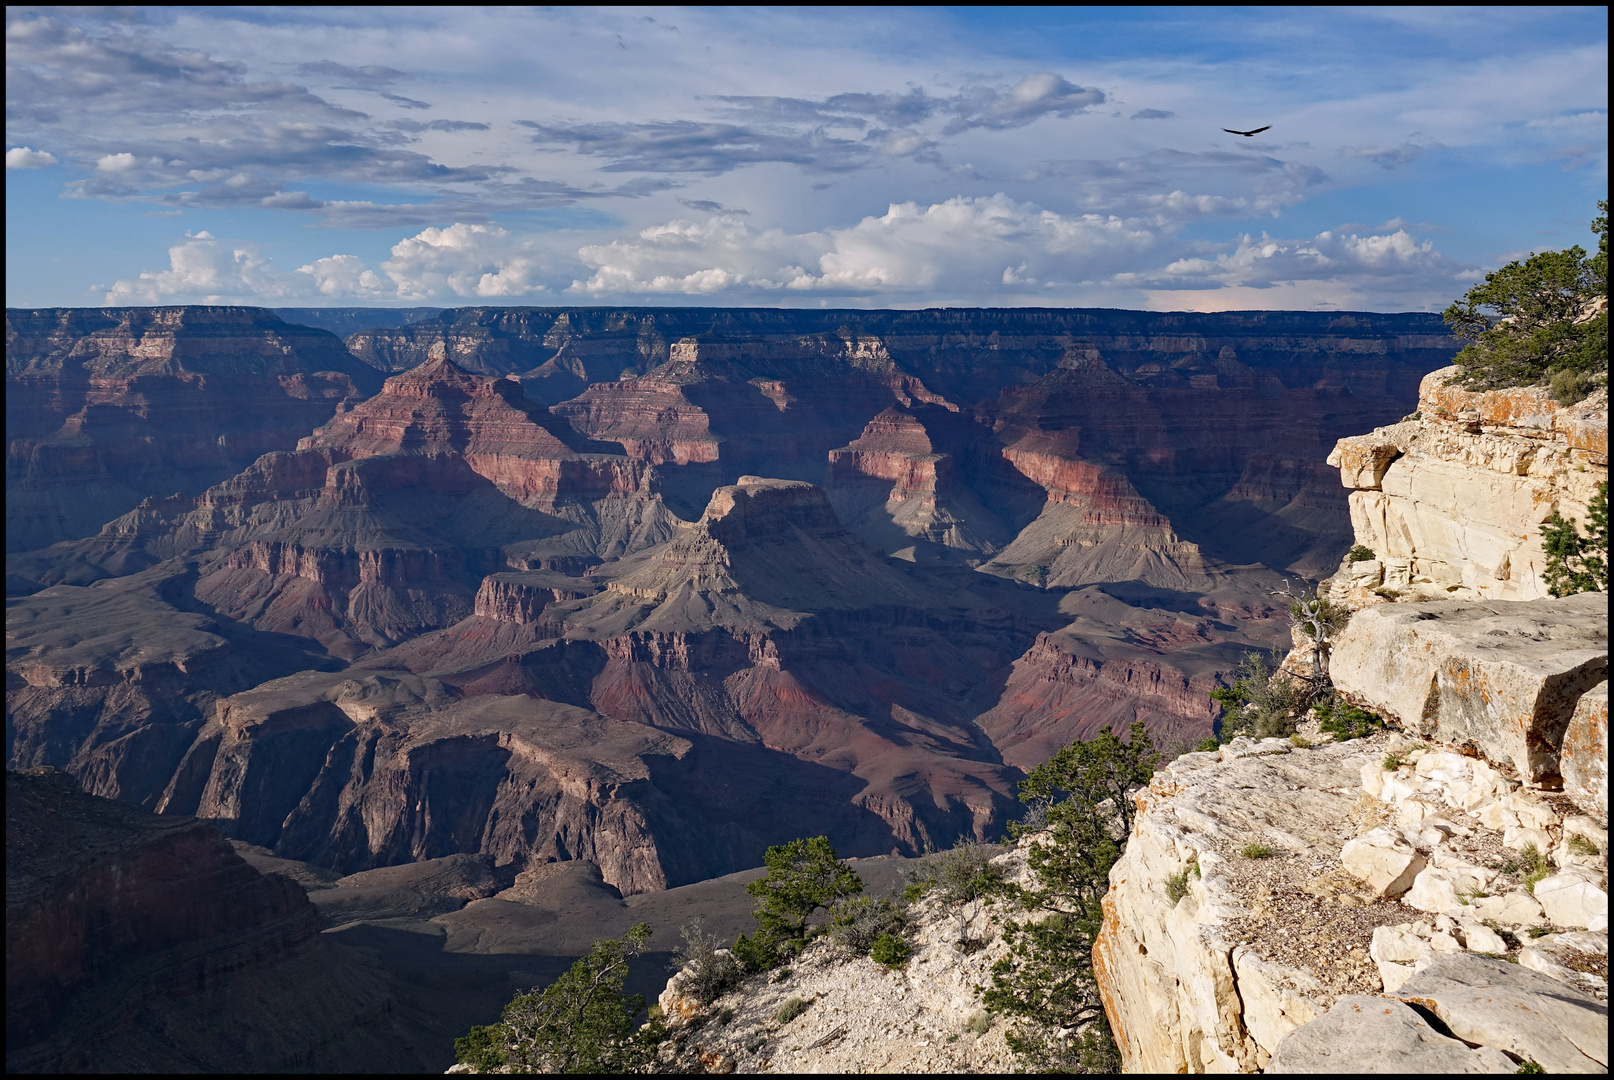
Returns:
(1369,877)
(1451,503)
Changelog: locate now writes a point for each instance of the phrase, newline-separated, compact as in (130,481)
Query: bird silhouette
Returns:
(1246,134)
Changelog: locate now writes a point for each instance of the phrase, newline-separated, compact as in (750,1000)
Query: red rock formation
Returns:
(104,408)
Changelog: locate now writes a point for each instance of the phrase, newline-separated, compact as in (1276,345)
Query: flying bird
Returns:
(1246,134)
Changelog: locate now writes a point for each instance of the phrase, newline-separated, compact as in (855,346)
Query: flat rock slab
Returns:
(1362,1034)
(1499,677)
(1511,1008)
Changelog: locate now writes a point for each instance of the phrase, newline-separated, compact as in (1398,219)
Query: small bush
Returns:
(890,950)
(1261,702)
(1576,563)
(1177,886)
(1345,721)
(856,924)
(1207,745)
(963,874)
(1300,741)
(1528,1068)
(1256,851)
(1535,866)
(1579,845)
(979,1023)
(1538,931)
(713,971)
(792,1008)
(1360,553)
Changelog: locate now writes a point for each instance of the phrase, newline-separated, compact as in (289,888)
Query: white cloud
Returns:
(24,157)
(344,276)
(202,269)
(959,244)
(115,162)
(465,260)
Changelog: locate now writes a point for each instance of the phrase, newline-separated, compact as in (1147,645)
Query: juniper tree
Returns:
(1046,981)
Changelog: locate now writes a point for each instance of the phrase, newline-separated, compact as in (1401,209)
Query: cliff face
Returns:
(104,408)
(145,943)
(1404,861)
(1451,503)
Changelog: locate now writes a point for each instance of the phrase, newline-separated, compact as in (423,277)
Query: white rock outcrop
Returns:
(1499,678)
(1259,943)
(1451,504)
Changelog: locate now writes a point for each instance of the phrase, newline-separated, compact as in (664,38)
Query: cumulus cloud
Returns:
(202,269)
(960,244)
(465,260)
(25,157)
(344,276)
(115,162)
(1341,258)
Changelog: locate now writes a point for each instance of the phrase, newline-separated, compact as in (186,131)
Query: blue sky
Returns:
(838,157)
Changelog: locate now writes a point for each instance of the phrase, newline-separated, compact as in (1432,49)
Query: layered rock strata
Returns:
(1451,502)
(138,943)
(107,407)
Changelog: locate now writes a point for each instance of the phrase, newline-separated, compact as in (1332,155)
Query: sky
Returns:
(779,157)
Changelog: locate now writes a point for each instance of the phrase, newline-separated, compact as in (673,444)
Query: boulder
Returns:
(1361,1034)
(1526,1014)
(1400,952)
(1574,897)
(1509,909)
(1384,861)
(1435,891)
(1584,758)
(1500,678)
(1477,937)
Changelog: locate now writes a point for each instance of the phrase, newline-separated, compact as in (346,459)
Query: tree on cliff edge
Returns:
(1046,982)
(582,1023)
(1543,320)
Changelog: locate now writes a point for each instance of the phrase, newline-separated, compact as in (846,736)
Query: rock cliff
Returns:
(143,943)
(107,407)
(1451,500)
(1448,878)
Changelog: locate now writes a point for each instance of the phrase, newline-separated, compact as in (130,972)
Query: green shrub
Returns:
(1177,886)
(1261,702)
(1360,553)
(792,1008)
(1534,866)
(1207,745)
(1579,845)
(979,1023)
(857,923)
(962,874)
(803,876)
(712,971)
(1256,851)
(1300,741)
(891,950)
(1528,1068)
(1576,563)
(1345,721)
(582,1023)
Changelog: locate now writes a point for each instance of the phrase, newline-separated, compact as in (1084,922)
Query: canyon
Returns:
(567,574)
(645,591)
